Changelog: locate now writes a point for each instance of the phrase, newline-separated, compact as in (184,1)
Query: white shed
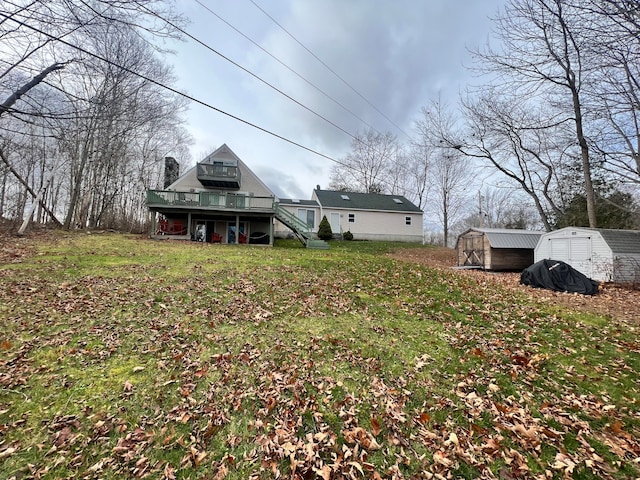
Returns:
(601,254)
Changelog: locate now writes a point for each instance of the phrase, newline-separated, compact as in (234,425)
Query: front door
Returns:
(334,221)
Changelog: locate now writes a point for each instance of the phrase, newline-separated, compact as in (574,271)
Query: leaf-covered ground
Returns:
(621,302)
(126,357)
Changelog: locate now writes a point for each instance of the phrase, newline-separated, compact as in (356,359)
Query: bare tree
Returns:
(367,168)
(614,46)
(97,55)
(441,166)
(513,139)
(451,176)
(416,173)
(542,56)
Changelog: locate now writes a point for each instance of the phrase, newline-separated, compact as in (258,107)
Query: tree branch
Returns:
(14,97)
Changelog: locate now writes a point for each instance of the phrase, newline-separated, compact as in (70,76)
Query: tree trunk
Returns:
(584,156)
(28,188)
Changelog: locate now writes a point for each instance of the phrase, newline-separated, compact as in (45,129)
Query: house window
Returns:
(307,216)
(352,218)
(407,220)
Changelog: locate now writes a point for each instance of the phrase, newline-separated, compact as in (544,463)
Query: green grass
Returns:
(124,357)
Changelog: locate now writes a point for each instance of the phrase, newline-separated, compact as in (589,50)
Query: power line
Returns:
(191,98)
(208,47)
(307,81)
(330,69)
(257,77)
(175,91)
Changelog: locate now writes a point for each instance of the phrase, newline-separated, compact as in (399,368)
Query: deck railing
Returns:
(209,200)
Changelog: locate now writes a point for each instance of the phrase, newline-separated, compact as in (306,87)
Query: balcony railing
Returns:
(218,176)
(209,200)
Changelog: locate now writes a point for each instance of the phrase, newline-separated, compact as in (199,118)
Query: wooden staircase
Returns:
(300,229)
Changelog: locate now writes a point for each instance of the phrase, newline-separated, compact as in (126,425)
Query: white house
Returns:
(368,216)
(601,254)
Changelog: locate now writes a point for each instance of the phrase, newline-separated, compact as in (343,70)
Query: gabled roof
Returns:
(222,151)
(364,201)
(509,237)
(188,180)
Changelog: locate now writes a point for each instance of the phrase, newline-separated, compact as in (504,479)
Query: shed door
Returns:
(473,250)
(576,251)
(580,257)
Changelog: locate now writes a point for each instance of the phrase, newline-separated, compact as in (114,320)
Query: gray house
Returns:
(602,254)
(220,200)
(496,248)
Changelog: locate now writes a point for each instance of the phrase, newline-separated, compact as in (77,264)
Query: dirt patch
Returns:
(615,301)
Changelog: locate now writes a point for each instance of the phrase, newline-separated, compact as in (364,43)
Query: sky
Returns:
(373,64)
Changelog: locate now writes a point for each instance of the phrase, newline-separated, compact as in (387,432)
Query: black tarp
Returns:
(558,276)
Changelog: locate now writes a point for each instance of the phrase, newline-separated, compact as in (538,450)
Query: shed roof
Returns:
(620,241)
(509,237)
(365,201)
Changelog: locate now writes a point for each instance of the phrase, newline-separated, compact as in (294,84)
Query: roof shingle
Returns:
(365,201)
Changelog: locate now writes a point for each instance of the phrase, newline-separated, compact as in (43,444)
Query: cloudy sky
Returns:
(386,59)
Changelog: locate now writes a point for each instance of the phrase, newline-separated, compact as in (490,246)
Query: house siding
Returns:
(376,216)
(282,231)
(376,225)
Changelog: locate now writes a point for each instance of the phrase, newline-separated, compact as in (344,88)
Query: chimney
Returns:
(171,171)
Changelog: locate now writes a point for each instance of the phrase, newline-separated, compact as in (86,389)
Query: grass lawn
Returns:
(126,357)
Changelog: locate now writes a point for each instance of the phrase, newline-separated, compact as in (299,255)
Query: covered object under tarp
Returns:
(558,276)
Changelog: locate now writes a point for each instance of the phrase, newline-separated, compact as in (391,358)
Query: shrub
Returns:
(324,229)
(347,235)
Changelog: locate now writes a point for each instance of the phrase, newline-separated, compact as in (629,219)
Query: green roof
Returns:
(365,201)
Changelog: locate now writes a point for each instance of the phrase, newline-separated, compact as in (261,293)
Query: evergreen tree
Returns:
(324,229)
(615,210)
